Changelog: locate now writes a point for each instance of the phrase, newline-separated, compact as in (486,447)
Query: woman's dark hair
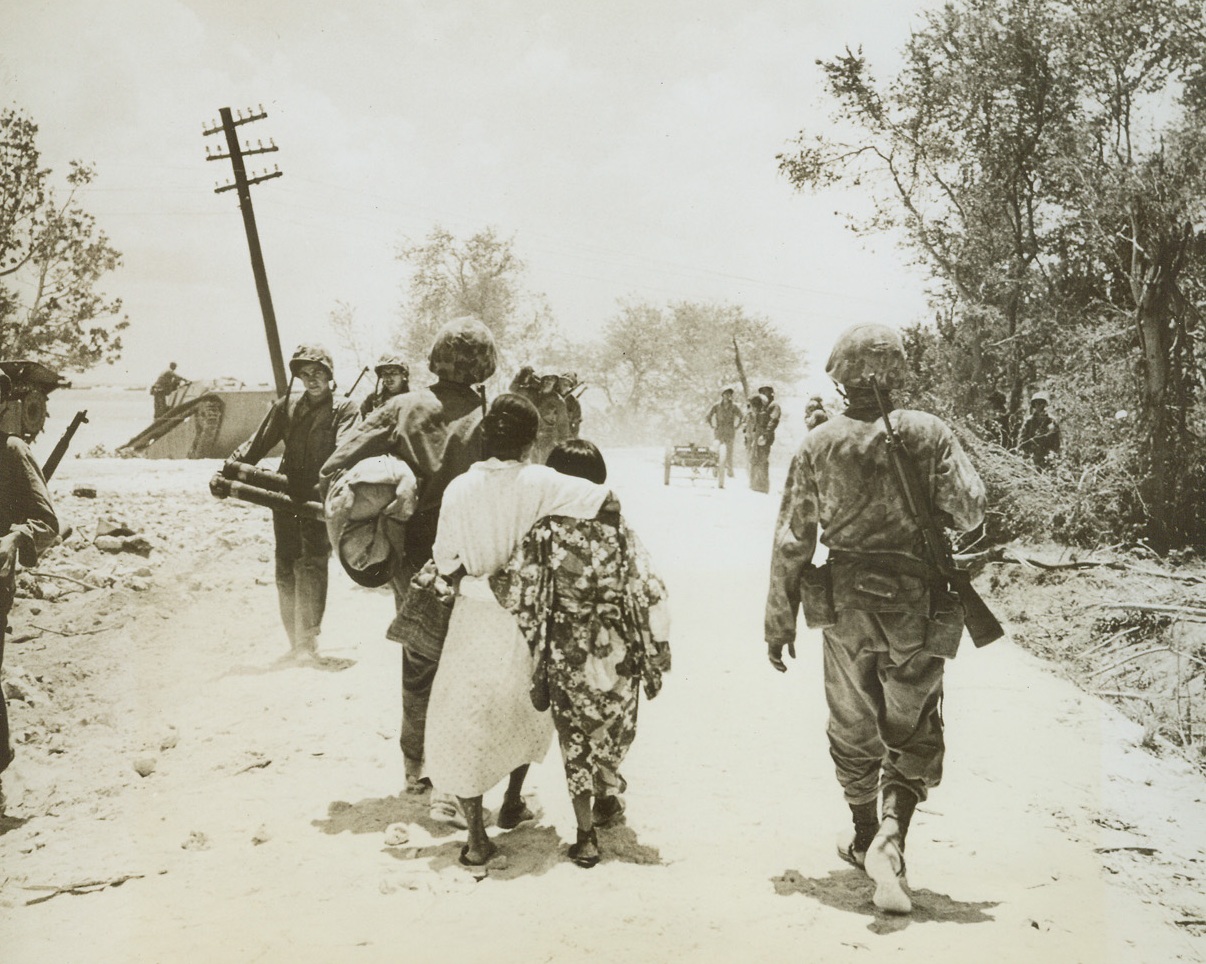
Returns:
(509,426)
(576,456)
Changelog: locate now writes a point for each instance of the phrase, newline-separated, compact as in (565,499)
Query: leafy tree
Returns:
(661,368)
(480,276)
(52,257)
(1028,155)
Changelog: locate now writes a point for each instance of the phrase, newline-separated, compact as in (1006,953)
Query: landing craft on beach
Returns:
(204,420)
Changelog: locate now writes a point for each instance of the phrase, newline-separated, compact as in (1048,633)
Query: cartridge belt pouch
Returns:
(816,596)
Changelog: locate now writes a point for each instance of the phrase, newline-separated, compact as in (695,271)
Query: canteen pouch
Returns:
(816,596)
(944,628)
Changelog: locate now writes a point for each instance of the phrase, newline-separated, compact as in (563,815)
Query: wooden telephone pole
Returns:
(242,183)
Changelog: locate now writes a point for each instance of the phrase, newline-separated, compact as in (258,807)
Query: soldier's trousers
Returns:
(302,551)
(6,752)
(885,704)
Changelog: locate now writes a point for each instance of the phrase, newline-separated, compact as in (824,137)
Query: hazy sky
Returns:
(628,147)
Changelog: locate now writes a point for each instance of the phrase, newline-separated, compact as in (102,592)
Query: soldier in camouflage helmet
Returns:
(393,378)
(308,425)
(463,352)
(437,432)
(889,621)
(1040,439)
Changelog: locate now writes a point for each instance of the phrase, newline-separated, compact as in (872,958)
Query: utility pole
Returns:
(242,184)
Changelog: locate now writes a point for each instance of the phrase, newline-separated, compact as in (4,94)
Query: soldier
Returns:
(757,445)
(393,378)
(566,385)
(1040,432)
(167,382)
(554,419)
(815,413)
(436,431)
(889,620)
(773,413)
(308,426)
(725,418)
(27,526)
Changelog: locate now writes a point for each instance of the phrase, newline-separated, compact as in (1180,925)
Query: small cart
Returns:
(700,461)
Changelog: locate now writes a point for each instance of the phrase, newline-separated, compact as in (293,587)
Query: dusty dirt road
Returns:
(259,833)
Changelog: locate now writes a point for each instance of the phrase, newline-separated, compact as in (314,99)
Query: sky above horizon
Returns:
(628,148)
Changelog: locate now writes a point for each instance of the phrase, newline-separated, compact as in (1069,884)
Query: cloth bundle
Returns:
(366,509)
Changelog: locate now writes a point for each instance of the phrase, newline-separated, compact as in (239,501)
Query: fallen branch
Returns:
(1108,642)
(59,575)
(1147,652)
(1146,851)
(1151,608)
(1124,695)
(86,887)
(258,765)
(78,632)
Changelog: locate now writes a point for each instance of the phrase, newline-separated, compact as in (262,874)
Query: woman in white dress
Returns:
(481,725)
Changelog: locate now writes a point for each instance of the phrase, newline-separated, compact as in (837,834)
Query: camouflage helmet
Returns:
(463,352)
(311,354)
(391,361)
(1040,397)
(866,350)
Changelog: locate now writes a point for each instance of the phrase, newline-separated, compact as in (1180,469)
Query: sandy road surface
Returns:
(260,834)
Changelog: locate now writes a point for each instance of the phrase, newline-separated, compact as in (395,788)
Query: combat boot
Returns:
(885,862)
(866,823)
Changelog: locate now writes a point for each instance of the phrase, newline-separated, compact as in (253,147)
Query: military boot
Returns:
(885,862)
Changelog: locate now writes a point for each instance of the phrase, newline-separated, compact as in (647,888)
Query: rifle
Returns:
(60,449)
(364,371)
(982,625)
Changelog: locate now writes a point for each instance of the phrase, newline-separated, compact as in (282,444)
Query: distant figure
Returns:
(567,384)
(1040,432)
(815,413)
(757,446)
(393,378)
(165,385)
(773,414)
(999,425)
(554,419)
(725,417)
(28,526)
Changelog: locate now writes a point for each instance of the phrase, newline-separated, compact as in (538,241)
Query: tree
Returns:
(661,368)
(1028,157)
(480,276)
(52,257)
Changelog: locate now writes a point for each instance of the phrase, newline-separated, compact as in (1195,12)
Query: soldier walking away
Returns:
(757,446)
(393,378)
(725,417)
(1040,432)
(167,383)
(308,426)
(889,620)
(773,414)
(437,432)
(27,526)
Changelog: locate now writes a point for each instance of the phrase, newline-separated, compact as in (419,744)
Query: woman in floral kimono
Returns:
(594,612)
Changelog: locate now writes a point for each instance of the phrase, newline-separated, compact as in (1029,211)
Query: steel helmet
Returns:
(391,361)
(866,350)
(1040,397)
(463,352)
(311,354)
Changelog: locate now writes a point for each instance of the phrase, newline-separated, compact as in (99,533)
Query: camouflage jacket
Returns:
(841,480)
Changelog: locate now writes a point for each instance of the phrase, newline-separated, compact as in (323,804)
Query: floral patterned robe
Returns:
(583,591)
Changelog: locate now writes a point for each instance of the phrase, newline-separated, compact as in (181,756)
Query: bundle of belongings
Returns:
(366,510)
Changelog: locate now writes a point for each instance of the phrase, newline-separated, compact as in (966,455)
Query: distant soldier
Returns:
(307,425)
(1040,432)
(165,385)
(567,384)
(554,419)
(393,378)
(815,413)
(889,619)
(773,413)
(757,445)
(725,417)
(27,526)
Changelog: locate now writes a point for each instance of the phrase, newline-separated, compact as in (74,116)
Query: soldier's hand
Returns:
(774,652)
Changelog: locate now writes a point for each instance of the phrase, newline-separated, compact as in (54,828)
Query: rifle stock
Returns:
(982,625)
